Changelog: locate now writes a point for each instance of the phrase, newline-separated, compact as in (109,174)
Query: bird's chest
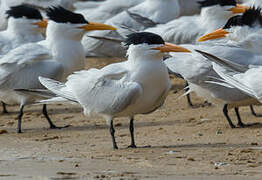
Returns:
(154,81)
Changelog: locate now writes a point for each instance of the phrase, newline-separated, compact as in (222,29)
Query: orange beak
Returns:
(220,33)
(238,9)
(91,26)
(168,47)
(41,24)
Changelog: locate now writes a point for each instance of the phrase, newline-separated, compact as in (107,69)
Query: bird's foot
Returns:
(232,126)
(19,131)
(58,127)
(115,147)
(242,125)
(132,146)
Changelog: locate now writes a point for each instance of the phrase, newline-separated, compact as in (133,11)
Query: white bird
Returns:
(106,9)
(56,57)
(247,80)
(197,70)
(187,29)
(139,85)
(23,26)
(153,10)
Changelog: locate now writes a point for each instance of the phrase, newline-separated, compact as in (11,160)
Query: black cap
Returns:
(143,37)
(249,18)
(207,3)
(62,15)
(24,11)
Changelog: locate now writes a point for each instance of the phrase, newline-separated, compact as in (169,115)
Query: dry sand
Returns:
(175,142)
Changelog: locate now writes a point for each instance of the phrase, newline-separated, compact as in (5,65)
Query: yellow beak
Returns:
(220,33)
(168,47)
(41,24)
(96,26)
(238,9)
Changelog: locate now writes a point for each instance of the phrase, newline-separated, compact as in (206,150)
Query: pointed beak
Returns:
(41,24)
(91,26)
(168,47)
(238,9)
(220,33)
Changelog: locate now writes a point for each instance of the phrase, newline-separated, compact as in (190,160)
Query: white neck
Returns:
(214,17)
(22,28)
(66,49)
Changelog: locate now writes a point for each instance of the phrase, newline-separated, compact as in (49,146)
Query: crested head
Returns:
(207,3)
(250,18)
(62,15)
(23,10)
(143,38)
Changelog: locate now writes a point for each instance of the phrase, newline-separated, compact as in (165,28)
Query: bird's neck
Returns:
(69,52)
(214,17)
(21,30)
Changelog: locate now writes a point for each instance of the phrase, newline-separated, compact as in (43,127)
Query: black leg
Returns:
(112,132)
(51,124)
(188,95)
(4,108)
(240,123)
(131,129)
(225,111)
(21,112)
(253,112)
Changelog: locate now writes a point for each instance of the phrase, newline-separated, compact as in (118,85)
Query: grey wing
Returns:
(21,67)
(25,54)
(103,94)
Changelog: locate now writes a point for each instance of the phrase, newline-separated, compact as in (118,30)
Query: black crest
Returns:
(62,15)
(207,3)
(143,37)
(250,18)
(24,11)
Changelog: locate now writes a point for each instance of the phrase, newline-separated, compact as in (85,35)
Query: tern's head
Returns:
(238,27)
(149,44)
(221,8)
(67,24)
(23,18)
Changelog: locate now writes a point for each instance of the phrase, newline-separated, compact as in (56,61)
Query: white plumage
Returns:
(137,86)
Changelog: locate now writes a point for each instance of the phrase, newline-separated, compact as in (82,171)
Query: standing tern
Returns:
(56,57)
(214,14)
(197,70)
(139,85)
(23,26)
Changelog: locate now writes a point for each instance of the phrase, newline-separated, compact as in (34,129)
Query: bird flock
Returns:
(214,45)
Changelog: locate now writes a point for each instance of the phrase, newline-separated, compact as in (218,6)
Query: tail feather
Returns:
(226,63)
(37,92)
(57,88)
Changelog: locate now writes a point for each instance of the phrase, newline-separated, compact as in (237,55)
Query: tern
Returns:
(139,85)
(214,14)
(197,70)
(56,57)
(23,26)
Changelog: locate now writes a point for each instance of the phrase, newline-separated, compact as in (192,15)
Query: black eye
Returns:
(24,11)
(143,37)
(62,15)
